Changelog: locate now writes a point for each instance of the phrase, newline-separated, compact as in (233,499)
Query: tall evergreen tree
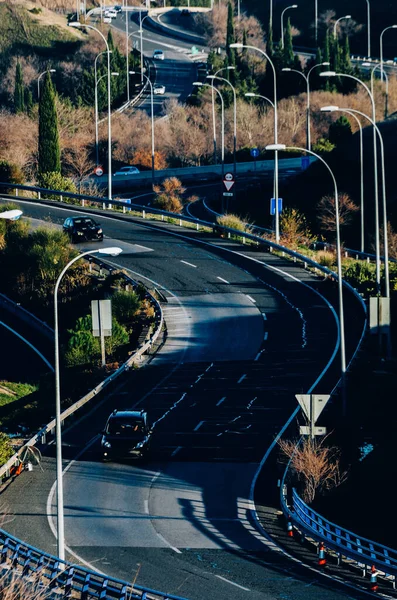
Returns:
(110,40)
(19,105)
(49,150)
(230,39)
(288,51)
(327,57)
(269,42)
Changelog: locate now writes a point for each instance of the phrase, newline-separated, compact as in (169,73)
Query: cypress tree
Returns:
(346,64)
(19,105)
(230,35)
(110,40)
(269,43)
(49,150)
(28,100)
(327,57)
(340,131)
(288,51)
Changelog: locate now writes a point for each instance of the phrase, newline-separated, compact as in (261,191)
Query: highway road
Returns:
(245,332)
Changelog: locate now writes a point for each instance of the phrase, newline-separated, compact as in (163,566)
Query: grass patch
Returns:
(11,391)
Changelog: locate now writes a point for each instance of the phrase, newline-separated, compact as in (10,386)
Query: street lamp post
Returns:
(140,31)
(238,45)
(234,115)
(307,80)
(200,84)
(282,22)
(38,80)
(377,243)
(381,45)
(352,114)
(338,258)
(385,75)
(368,29)
(151,116)
(60,507)
(96,115)
(337,21)
(79,25)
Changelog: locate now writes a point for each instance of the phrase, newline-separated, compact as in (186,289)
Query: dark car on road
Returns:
(81,229)
(127,435)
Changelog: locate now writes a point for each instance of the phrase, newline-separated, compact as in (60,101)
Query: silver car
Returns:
(158,89)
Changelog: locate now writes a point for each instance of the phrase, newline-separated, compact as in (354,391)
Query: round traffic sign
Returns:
(229,177)
(98,171)
(254,152)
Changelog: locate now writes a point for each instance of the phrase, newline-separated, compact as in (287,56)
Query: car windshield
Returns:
(83,221)
(125,427)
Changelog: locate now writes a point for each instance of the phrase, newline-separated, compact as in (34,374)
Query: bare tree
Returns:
(326,214)
(316,465)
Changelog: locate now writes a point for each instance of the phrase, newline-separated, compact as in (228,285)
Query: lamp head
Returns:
(250,94)
(347,17)
(197,83)
(286,69)
(75,24)
(115,74)
(275,147)
(52,71)
(236,45)
(230,68)
(325,64)
(210,77)
(366,64)
(294,6)
(329,108)
(132,72)
(328,74)
(112,251)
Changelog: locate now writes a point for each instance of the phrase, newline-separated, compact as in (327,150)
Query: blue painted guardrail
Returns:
(66,579)
(346,545)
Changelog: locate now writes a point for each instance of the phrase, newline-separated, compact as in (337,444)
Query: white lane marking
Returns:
(209,367)
(224,280)
(169,410)
(168,544)
(250,403)
(233,583)
(221,400)
(198,426)
(250,298)
(49,365)
(257,357)
(176,450)
(146,506)
(198,379)
(155,477)
(265,335)
(144,247)
(188,263)
(242,378)
(264,316)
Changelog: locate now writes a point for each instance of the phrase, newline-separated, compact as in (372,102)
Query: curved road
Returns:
(244,335)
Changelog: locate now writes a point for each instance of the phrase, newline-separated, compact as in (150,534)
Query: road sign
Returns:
(273,206)
(305,162)
(228,193)
(312,405)
(305,430)
(194,50)
(98,171)
(228,181)
(254,152)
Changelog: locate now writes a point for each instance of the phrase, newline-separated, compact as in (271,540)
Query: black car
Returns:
(127,435)
(82,229)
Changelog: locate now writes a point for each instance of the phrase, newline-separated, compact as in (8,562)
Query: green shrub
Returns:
(35,10)
(10,173)
(6,450)
(55,181)
(125,305)
(326,259)
(323,146)
(233,222)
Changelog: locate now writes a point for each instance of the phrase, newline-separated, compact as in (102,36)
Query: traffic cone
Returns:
(322,561)
(374,583)
(290,529)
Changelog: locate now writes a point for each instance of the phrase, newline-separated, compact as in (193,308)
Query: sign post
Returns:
(312,406)
(254,153)
(101,311)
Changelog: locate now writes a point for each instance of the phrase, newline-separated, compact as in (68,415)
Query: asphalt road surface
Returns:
(246,332)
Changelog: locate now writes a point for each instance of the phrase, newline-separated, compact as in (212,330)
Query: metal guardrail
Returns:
(346,544)
(65,579)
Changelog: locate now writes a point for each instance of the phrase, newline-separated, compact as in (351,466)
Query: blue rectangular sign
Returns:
(273,205)
(305,162)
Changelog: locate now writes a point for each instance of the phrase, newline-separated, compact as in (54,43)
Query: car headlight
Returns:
(106,444)
(99,230)
(79,233)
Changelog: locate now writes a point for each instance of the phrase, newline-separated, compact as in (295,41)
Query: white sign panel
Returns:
(101,311)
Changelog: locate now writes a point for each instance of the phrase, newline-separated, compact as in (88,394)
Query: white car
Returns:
(158,55)
(110,13)
(127,171)
(158,89)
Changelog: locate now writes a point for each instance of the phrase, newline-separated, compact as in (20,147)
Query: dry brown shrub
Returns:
(143,158)
(317,466)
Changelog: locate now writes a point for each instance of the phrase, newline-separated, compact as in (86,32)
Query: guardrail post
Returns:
(368,259)
(39,195)
(82,202)
(143,214)
(197,226)
(162,217)
(60,197)
(180,222)
(243,240)
(16,192)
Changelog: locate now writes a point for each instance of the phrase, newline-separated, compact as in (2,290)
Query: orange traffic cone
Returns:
(374,584)
(322,561)
(290,529)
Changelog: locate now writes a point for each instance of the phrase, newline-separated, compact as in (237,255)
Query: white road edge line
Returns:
(221,400)
(198,426)
(242,378)
(188,263)
(224,280)
(250,298)
(232,583)
(169,545)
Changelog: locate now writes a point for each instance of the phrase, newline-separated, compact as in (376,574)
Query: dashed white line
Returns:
(257,357)
(221,400)
(264,316)
(250,298)
(242,378)
(188,263)
(176,450)
(144,247)
(168,544)
(198,426)
(146,506)
(208,368)
(224,280)
(232,583)
(265,335)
